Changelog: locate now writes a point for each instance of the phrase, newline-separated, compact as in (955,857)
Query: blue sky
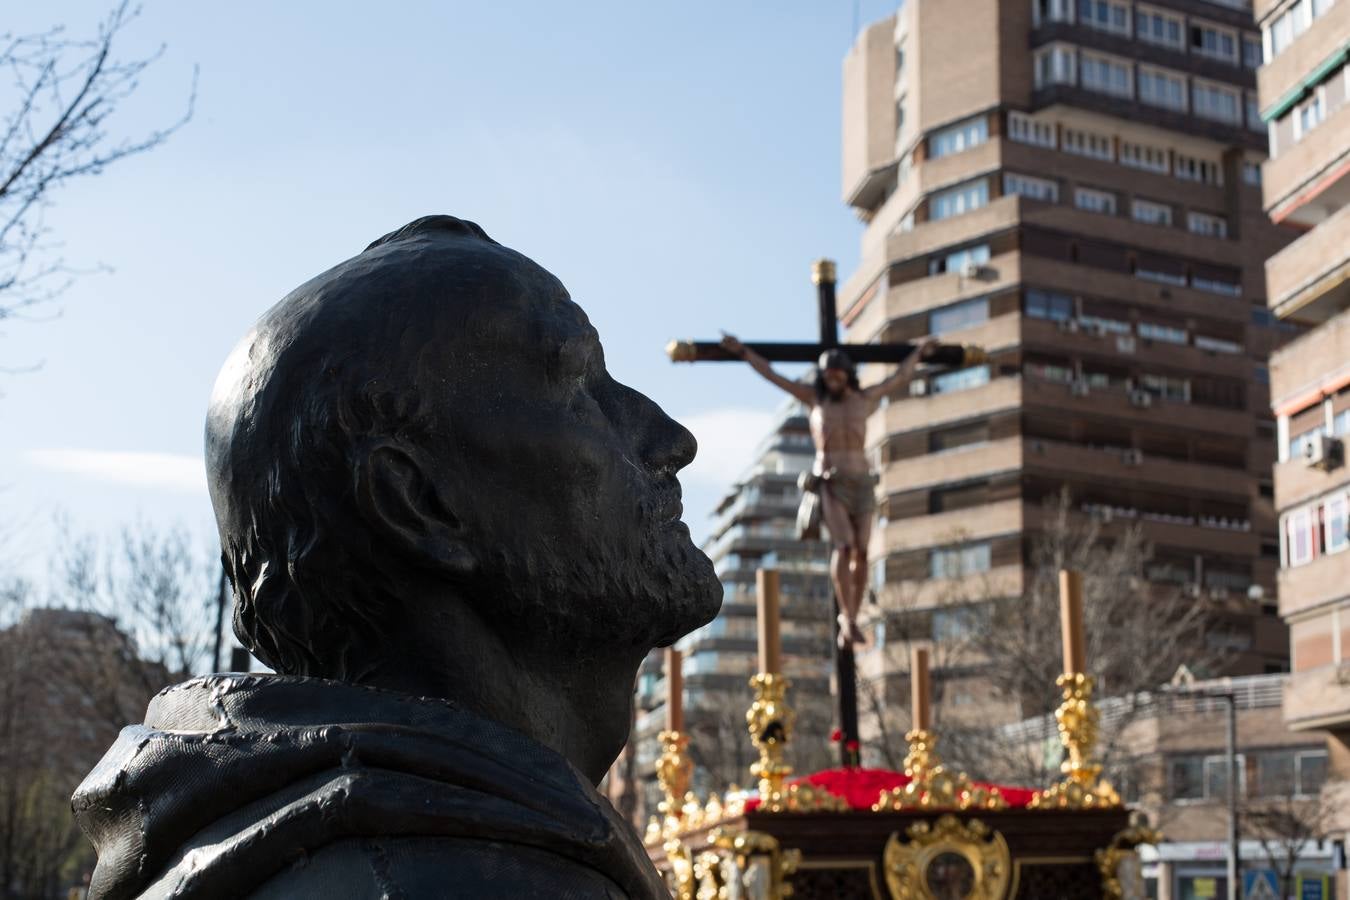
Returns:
(676,165)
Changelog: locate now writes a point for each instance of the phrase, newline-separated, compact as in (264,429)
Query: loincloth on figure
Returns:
(855,491)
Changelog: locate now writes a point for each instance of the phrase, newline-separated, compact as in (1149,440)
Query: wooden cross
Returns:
(823,275)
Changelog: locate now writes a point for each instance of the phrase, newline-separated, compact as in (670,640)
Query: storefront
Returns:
(1198,870)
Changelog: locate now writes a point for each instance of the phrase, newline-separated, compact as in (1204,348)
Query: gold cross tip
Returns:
(680,351)
(822,270)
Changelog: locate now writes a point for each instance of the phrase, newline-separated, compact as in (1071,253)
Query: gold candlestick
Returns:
(932,785)
(770,721)
(672,773)
(1082,787)
(1076,717)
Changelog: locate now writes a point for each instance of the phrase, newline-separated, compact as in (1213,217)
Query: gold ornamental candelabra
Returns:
(1077,717)
(932,785)
(673,770)
(770,722)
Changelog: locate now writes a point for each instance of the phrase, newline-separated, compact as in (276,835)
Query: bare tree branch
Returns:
(68,93)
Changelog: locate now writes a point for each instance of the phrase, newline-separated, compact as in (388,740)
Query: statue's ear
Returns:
(400,501)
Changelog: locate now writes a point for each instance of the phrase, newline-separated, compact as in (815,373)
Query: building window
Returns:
(958,137)
(1253,109)
(1153,332)
(1158,27)
(1251,51)
(1049,305)
(1293,22)
(1335,513)
(1095,201)
(1026,130)
(960,199)
(1105,15)
(1213,101)
(1027,186)
(958,260)
(1053,11)
(1206,224)
(1309,114)
(1299,540)
(1088,143)
(1188,168)
(1106,75)
(1218,345)
(959,380)
(1054,65)
(1215,286)
(1178,390)
(1142,156)
(954,562)
(1251,172)
(1151,213)
(1214,42)
(958,315)
(1158,87)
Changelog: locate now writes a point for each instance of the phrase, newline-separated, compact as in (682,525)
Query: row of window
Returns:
(1098,201)
(1314,530)
(1027,129)
(1164,88)
(1157,26)
(1280,33)
(1060,307)
(1315,108)
(973,195)
(1276,773)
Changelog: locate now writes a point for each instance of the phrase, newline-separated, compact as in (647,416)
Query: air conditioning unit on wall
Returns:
(1325,453)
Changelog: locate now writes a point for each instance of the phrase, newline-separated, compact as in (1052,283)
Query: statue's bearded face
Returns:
(575,513)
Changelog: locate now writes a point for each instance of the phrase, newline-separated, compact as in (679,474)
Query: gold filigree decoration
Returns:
(1122,851)
(770,721)
(912,866)
(1082,787)
(808,798)
(778,864)
(932,785)
(822,270)
(972,355)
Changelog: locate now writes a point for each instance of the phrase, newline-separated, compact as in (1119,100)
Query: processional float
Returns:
(927,833)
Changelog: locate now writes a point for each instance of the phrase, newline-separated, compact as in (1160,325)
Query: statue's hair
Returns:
(330,370)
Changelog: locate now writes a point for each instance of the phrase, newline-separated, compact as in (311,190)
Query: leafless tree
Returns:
(1287,825)
(121,620)
(65,94)
(1138,633)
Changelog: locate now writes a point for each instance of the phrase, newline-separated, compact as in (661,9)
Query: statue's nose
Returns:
(664,445)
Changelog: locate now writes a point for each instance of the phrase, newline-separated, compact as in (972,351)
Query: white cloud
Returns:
(727,439)
(167,471)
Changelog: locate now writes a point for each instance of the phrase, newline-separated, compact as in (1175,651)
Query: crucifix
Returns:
(839,409)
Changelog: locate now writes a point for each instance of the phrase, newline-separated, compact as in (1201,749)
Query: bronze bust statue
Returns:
(454,537)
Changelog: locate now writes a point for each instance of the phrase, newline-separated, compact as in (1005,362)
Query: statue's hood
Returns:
(234,778)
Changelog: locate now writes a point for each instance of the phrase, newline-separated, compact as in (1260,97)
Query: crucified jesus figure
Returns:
(839,410)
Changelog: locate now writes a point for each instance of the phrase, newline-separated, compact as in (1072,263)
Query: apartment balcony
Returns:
(960,464)
(1088,345)
(1322,581)
(1125,230)
(1309,280)
(1318,698)
(937,409)
(1296,482)
(972,524)
(1281,78)
(1132,110)
(1071,278)
(1116,403)
(1144,471)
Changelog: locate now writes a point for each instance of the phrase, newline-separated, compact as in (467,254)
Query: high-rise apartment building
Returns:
(1304,90)
(1075,186)
(754,526)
